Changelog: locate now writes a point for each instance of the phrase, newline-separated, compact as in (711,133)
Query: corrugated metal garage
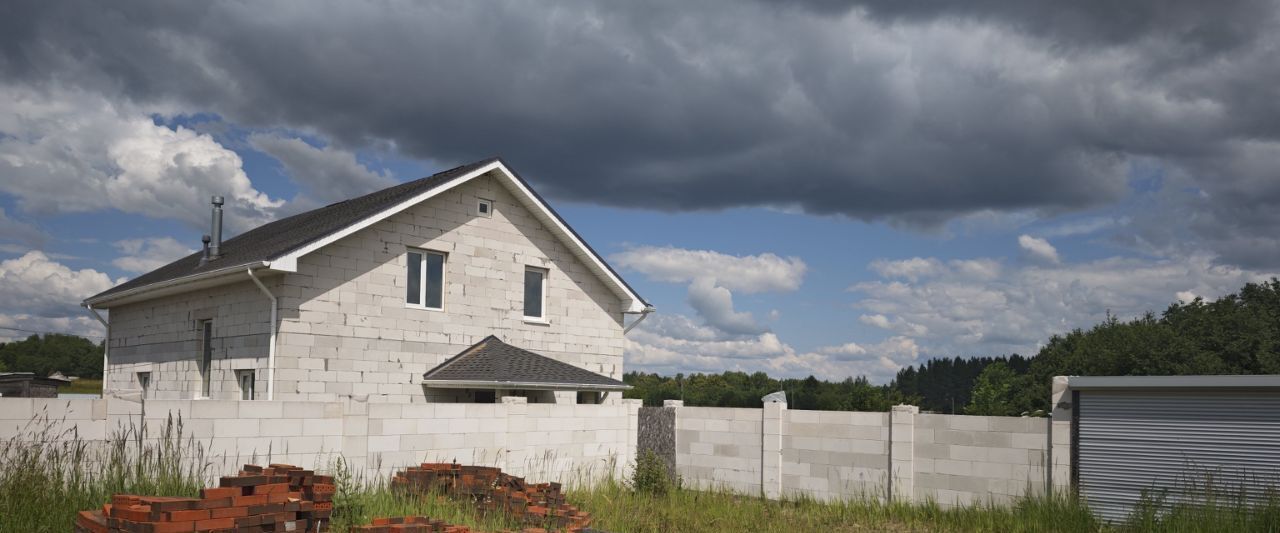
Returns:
(1174,437)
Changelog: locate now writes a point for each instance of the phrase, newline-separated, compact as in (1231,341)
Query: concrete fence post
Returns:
(632,444)
(902,432)
(1058,464)
(773,427)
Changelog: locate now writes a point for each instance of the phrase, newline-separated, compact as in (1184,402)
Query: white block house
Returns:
(362,298)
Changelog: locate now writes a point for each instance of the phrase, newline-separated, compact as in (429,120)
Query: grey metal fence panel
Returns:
(1182,446)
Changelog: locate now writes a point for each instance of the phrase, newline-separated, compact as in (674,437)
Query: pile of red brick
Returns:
(276,498)
(492,490)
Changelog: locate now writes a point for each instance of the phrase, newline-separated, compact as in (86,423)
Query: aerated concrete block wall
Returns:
(834,454)
(347,333)
(545,442)
(164,337)
(719,448)
(950,459)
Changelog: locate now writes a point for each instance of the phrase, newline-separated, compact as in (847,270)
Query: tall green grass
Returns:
(48,474)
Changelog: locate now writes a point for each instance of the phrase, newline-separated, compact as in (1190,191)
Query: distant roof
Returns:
(494,363)
(275,239)
(19,376)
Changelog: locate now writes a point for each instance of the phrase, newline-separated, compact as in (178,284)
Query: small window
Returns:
(486,396)
(484,208)
(590,397)
(535,292)
(425,273)
(206,356)
(246,379)
(144,382)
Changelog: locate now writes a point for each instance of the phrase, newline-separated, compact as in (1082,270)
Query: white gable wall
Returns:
(346,331)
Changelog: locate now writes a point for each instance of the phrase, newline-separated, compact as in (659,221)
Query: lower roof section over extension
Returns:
(493,364)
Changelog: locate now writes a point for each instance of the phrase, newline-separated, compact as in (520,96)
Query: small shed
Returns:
(28,385)
(1173,438)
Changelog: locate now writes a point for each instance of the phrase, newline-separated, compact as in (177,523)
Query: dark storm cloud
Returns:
(917,113)
(1197,26)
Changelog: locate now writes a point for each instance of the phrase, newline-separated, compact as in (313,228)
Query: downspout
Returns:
(106,344)
(644,313)
(271,346)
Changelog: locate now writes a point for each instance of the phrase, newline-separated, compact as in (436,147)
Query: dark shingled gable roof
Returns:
(274,239)
(492,360)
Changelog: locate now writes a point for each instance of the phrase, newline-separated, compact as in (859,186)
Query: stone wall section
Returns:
(835,454)
(830,455)
(544,442)
(719,448)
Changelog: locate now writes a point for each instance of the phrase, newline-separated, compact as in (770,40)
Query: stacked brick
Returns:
(276,498)
(494,491)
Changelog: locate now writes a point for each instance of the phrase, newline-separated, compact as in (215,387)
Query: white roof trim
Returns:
(479,384)
(1267,381)
(635,304)
(173,286)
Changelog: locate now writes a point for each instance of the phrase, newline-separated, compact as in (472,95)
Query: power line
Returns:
(40,332)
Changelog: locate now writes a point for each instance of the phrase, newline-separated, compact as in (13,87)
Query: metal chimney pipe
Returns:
(215,247)
(204,255)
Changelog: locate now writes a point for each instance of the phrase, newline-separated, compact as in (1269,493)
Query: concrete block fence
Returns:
(903,454)
(543,442)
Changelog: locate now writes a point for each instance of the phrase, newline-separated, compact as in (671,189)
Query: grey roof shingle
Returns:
(494,361)
(278,238)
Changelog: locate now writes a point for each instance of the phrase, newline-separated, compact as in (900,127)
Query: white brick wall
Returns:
(950,459)
(545,442)
(162,336)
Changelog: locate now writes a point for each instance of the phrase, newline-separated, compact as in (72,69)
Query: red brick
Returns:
(188,516)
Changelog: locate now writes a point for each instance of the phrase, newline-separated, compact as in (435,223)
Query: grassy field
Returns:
(45,478)
(82,386)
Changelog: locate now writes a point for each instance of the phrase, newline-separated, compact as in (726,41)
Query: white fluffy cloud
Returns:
(67,151)
(674,343)
(145,255)
(957,312)
(748,274)
(1039,249)
(35,285)
(715,305)
(712,276)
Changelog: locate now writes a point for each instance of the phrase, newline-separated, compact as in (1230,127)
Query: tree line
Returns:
(45,354)
(1236,334)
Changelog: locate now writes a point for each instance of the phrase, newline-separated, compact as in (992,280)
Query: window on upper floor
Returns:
(484,208)
(535,293)
(425,279)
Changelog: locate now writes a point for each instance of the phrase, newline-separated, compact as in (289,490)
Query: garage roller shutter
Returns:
(1130,441)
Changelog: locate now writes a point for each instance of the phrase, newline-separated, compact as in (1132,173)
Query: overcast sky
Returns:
(827,187)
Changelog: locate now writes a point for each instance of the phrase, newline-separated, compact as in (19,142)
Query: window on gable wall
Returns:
(425,274)
(535,293)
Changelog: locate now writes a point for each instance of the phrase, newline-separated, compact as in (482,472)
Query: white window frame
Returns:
(486,213)
(546,273)
(422,278)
